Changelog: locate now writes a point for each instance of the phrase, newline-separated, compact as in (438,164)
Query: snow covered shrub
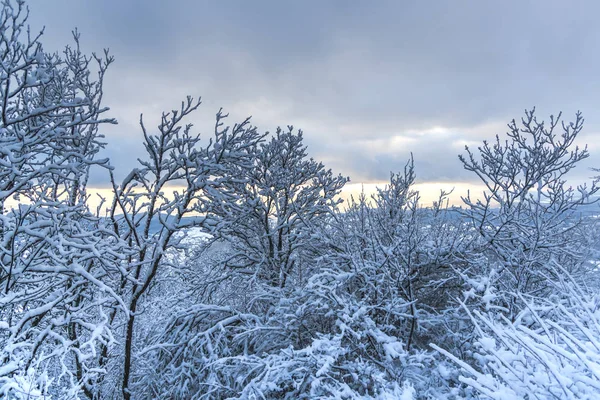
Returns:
(344,331)
(522,326)
(550,350)
(26,385)
(527,215)
(317,343)
(280,202)
(400,256)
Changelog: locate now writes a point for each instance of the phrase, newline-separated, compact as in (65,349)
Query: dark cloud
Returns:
(369,82)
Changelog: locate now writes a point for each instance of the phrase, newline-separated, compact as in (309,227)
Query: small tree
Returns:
(149,221)
(396,257)
(534,327)
(528,216)
(281,200)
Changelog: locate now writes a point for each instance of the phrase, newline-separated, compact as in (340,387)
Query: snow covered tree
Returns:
(151,223)
(398,256)
(534,325)
(54,252)
(267,238)
(528,216)
(281,200)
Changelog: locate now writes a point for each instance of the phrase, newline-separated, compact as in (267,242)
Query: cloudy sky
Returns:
(368,81)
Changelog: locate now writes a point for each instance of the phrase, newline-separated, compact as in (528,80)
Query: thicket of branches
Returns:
(255,281)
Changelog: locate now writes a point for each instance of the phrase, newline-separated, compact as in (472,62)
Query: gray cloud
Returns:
(369,82)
